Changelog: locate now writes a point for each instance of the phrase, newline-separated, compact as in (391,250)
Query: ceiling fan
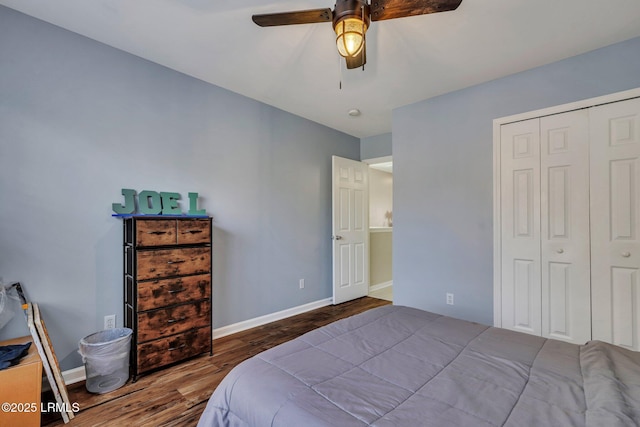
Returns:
(351,18)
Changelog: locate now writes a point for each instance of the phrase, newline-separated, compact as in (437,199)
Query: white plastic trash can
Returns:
(106,359)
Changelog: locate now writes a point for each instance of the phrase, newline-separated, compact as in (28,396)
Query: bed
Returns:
(400,366)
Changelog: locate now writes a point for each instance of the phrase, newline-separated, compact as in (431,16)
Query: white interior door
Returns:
(520,228)
(615,222)
(350,213)
(564,175)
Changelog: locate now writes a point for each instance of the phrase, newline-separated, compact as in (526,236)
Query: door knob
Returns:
(338,237)
(626,254)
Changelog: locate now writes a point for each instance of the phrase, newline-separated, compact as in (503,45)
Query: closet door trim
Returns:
(497,220)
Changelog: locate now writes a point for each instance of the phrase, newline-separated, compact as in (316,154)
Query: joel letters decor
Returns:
(154,203)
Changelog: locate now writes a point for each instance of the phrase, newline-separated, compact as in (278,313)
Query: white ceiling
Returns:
(384,166)
(297,68)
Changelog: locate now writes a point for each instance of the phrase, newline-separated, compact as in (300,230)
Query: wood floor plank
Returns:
(140,409)
(177,395)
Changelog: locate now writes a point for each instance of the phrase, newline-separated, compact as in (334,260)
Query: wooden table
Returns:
(21,388)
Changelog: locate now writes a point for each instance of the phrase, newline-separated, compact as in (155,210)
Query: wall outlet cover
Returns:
(450,299)
(110,321)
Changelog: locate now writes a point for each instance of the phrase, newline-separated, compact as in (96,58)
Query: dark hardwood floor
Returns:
(176,396)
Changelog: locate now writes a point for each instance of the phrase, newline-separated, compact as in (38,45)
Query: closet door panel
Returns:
(520,228)
(564,236)
(615,222)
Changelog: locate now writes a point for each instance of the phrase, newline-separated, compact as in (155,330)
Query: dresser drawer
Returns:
(193,231)
(172,320)
(173,349)
(158,263)
(154,232)
(164,292)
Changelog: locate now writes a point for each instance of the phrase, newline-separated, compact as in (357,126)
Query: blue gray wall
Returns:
(79,121)
(443,175)
(375,146)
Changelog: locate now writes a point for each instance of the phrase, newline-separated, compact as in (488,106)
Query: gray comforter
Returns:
(398,366)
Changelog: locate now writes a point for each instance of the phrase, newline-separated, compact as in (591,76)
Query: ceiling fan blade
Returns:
(289,18)
(357,61)
(391,9)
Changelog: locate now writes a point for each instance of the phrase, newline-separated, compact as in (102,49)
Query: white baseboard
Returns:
(268,318)
(74,375)
(379,286)
(78,374)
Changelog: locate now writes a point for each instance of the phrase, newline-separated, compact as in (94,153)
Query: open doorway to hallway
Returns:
(381,228)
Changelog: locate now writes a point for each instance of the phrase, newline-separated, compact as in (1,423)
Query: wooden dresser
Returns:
(167,289)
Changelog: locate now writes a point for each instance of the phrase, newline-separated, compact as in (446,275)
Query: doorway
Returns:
(381,227)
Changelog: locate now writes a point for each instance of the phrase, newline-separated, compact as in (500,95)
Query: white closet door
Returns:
(520,228)
(564,177)
(615,222)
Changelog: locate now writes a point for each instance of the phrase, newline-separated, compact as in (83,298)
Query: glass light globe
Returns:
(350,36)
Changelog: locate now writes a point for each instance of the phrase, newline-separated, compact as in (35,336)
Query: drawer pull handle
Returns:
(171,321)
(177,291)
(157,233)
(177,348)
(180,261)
(194,231)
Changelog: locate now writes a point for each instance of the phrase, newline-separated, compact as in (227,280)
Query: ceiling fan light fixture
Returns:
(350,33)
(351,18)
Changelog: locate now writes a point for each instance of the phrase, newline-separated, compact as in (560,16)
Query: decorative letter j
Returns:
(129,206)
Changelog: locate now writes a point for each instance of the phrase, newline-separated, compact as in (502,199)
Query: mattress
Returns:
(400,366)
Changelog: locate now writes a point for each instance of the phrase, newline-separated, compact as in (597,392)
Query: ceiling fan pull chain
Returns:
(340,72)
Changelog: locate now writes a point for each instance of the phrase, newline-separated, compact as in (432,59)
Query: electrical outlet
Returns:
(450,299)
(110,321)
(301,283)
